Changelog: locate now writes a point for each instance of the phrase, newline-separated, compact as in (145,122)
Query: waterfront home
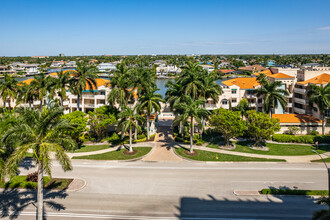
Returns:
(106,67)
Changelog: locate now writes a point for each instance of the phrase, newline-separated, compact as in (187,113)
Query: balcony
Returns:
(89,105)
(289,105)
(210,106)
(299,110)
(252,104)
(300,91)
(300,101)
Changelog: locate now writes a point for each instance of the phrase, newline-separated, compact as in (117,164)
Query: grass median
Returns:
(90,148)
(211,156)
(277,149)
(117,154)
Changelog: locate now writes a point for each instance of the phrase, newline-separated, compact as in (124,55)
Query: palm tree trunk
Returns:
(130,139)
(148,127)
(78,102)
(135,133)
(192,135)
(4,103)
(40,196)
(9,104)
(40,105)
(323,120)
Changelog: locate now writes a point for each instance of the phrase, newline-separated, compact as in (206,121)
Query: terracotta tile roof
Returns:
(253,68)
(280,76)
(28,81)
(243,83)
(99,82)
(266,72)
(321,79)
(226,70)
(296,118)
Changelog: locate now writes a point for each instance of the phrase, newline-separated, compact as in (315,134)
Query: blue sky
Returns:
(98,27)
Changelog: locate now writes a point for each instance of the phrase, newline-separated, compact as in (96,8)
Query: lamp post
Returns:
(325,164)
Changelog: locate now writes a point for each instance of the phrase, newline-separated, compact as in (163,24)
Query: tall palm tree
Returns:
(272,95)
(61,83)
(150,103)
(191,110)
(120,82)
(209,90)
(42,84)
(191,79)
(8,89)
(320,96)
(129,119)
(42,132)
(173,94)
(83,76)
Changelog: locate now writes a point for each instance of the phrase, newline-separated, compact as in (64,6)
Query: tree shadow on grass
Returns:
(13,201)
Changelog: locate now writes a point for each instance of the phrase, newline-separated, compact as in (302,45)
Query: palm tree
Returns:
(8,89)
(150,103)
(129,119)
(320,96)
(191,79)
(272,95)
(61,83)
(191,109)
(81,77)
(42,84)
(120,83)
(42,132)
(209,90)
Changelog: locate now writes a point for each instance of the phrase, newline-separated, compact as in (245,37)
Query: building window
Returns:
(225,102)
(233,91)
(102,101)
(233,100)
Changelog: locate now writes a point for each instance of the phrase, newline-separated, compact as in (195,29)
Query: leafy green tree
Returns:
(81,77)
(272,95)
(243,107)
(129,119)
(42,132)
(79,121)
(229,123)
(99,120)
(320,96)
(150,103)
(260,126)
(191,110)
(8,89)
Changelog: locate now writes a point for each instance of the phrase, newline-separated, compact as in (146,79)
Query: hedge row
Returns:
(308,139)
(295,192)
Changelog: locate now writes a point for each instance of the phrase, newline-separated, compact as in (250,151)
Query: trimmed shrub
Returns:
(141,136)
(307,139)
(313,132)
(295,192)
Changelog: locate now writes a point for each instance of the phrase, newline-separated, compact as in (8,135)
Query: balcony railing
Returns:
(300,101)
(210,106)
(301,91)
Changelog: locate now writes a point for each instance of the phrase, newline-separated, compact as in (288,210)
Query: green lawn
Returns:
(278,149)
(210,156)
(20,182)
(89,148)
(295,192)
(117,155)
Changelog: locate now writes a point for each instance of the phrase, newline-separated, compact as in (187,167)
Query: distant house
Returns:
(208,68)
(253,68)
(57,64)
(106,67)
(227,71)
(29,69)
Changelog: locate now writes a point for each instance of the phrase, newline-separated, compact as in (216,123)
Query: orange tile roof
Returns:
(28,81)
(253,68)
(321,79)
(296,118)
(243,83)
(226,70)
(266,72)
(280,76)
(99,82)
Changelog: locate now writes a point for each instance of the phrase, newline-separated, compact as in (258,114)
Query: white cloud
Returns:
(326,28)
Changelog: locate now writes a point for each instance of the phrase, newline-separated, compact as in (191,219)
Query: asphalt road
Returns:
(141,190)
